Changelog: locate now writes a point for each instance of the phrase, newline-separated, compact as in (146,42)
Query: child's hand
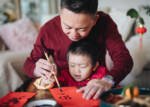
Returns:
(94,88)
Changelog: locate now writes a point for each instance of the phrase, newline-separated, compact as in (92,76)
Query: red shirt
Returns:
(66,80)
(105,33)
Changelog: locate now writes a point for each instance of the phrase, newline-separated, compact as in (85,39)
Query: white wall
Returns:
(3,2)
(125,4)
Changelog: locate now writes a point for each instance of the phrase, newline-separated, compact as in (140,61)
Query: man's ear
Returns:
(95,67)
(96,17)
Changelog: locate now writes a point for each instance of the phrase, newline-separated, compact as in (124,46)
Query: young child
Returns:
(82,57)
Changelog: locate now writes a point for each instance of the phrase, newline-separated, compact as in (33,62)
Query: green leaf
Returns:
(147,9)
(133,13)
(141,20)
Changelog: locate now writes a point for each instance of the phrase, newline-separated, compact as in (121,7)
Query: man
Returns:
(78,20)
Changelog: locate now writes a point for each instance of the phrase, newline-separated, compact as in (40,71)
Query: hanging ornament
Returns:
(141,29)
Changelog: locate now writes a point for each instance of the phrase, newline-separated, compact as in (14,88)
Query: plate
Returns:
(42,103)
(143,91)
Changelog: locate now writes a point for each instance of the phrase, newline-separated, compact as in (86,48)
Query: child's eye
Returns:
(83,66)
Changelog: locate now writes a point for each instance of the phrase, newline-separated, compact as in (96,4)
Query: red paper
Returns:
(15,99)
(70,98)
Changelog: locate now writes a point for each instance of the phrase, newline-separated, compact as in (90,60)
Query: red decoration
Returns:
(68,97)
(15,99)
(141,30)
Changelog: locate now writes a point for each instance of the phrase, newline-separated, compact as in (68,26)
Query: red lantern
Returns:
(140,30)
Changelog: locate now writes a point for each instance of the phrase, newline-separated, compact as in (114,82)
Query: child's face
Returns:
(80,67)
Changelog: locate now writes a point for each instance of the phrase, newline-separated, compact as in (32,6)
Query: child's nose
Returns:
(77,70)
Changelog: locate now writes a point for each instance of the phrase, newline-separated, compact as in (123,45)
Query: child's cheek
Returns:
(85,70)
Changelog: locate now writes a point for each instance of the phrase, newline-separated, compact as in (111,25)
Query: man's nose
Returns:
(75,33)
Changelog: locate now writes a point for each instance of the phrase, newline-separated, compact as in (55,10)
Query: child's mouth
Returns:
(77,77)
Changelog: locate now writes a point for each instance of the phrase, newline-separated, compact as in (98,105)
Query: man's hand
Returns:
(44,69)
(94,88)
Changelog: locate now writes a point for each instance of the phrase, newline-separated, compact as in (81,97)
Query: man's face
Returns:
(76,25)
(80,67)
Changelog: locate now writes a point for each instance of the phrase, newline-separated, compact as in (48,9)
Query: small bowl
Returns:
(42,103)
(143,91)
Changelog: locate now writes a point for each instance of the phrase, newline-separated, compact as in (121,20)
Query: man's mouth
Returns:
(75,38)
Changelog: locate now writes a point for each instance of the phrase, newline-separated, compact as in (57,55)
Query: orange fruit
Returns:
(135,92)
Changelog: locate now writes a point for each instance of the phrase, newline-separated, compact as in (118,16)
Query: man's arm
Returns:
(122,61)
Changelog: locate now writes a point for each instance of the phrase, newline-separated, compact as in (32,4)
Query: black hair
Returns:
(80,6)
(85,47)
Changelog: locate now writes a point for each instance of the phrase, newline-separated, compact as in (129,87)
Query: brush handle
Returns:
(52,62)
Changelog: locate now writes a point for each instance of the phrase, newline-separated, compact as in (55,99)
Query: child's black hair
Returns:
(85,47)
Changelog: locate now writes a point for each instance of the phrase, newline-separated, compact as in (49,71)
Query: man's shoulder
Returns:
(102,14)
(104,18)
(52,23)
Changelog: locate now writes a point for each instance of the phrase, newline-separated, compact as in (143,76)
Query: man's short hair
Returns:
(80,6)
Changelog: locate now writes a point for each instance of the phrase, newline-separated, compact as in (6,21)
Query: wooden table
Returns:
(28,86)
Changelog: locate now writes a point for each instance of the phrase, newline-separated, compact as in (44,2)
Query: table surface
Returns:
(28,86)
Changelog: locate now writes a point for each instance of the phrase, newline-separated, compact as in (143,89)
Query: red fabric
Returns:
(105,33)
(15,99)
(66,79)
(68,97)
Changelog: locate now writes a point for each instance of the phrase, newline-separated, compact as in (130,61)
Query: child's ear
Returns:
(95,67)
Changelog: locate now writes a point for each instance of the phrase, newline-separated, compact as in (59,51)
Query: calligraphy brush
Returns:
(51,62)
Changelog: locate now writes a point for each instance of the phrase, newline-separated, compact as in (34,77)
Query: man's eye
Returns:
(67,27)
(72,65)
(82,30)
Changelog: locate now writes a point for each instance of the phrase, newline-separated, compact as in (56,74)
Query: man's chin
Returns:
(75,39)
